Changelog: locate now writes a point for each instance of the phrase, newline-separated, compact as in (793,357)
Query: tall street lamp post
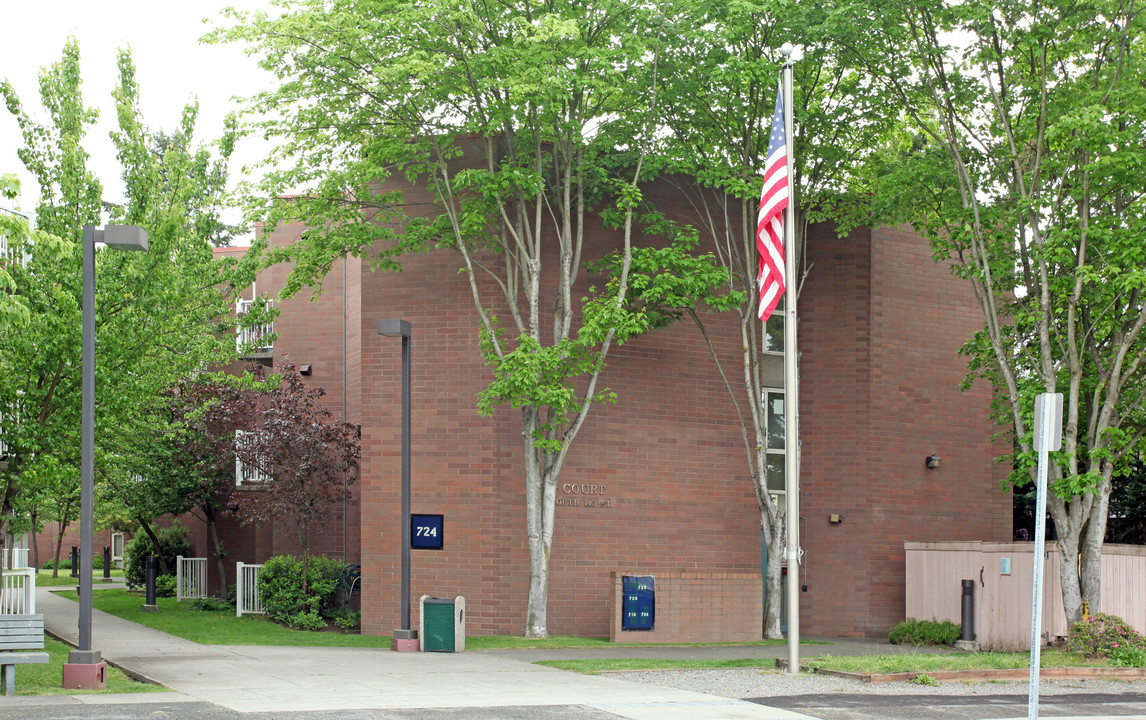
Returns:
(85,668)
(405,638)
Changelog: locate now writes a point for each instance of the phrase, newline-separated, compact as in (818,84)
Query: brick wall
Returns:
(694,607)
(880,328)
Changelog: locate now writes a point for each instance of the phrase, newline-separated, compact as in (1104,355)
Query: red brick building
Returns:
(658,482)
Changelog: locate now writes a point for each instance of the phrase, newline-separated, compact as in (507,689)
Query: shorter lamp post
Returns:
(404,638)
(85,663)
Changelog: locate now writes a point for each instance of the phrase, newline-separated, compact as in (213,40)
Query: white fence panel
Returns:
(248,599)
(190,578)
(15,559)
(18,592)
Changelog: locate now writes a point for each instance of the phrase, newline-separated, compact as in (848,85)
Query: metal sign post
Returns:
(1047,437)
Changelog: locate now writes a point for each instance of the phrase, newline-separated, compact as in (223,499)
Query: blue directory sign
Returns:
(426,532)
(638,602)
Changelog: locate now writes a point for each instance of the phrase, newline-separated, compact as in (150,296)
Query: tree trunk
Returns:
(213,530)
(163,568)
(536,613)
(59,546)
(1093,535)
(1068,575)
(773,589)
(35,542)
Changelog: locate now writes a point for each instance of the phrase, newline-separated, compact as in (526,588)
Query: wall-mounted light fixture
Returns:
(305,369)
(933,461)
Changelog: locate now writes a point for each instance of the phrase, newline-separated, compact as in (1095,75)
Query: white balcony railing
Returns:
(3,445)
(246,474)
(255,339)
(8,254)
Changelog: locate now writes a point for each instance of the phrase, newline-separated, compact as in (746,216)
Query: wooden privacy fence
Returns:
(18,592)
(190,578)
(248,599)
(1002,573)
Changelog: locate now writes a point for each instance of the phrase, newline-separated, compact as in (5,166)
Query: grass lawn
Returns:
(47,679)
(594,667)
(224,628)
(44,578)
(861,664)
(515,642)
(872,664)
(218,627)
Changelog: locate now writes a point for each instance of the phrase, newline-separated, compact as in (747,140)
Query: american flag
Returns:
(770,219)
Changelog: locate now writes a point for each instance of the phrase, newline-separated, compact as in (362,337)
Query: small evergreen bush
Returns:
(281,588)
(925,632)
(1100,635)
(173,542)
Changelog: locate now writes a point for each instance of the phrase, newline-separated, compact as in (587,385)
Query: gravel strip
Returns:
(748,683)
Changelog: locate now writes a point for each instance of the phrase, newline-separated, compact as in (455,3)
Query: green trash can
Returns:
(443,624)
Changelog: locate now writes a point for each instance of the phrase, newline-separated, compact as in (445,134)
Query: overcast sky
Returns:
(172,67)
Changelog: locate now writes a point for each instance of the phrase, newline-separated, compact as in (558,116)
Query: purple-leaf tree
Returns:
(304,459)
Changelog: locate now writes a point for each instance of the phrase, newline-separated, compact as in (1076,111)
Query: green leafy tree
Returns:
(510,116)
(721,71)
(158,313)
(1026,175)
(190,466)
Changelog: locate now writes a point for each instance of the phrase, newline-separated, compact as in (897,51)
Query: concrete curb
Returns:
(1079,673)
(133,674)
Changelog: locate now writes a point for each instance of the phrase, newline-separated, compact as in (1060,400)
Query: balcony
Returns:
(8,254)
(255,342)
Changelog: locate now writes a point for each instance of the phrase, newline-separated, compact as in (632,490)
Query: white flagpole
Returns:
(791,386)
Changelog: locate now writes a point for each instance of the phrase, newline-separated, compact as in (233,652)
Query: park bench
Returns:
(19,632)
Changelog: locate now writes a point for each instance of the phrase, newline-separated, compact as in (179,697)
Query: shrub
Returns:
(1127,656)
(66,563)
(346,619)
(165,586)
(1100,635)
(925,679)
(280,585)
(925,632)
(173,541)
(213,604)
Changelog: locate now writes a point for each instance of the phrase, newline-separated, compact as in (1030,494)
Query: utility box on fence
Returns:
(443,624)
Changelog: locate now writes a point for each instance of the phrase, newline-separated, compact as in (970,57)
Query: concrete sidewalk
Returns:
(253,679)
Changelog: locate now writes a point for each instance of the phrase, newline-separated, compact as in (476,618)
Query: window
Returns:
(774,417)
(117,545)
(246,474)
(773,336)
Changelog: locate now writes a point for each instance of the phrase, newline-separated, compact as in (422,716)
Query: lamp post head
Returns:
(122,237)
(394,328)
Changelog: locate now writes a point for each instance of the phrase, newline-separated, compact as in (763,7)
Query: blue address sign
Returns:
(427,532)
(638,602)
